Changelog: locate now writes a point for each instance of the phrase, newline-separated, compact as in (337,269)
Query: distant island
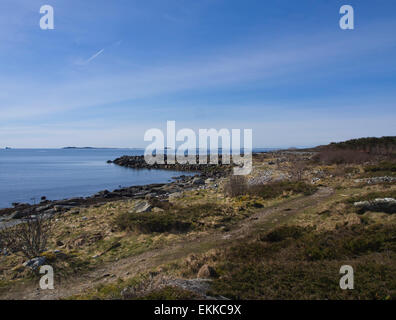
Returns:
(80,148)
(99,148)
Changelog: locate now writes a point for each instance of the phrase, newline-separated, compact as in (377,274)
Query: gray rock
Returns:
(49,212)
(142,206)
(59,208)
(387,205)
(35,262)
(175,195)
(198,181)
(375,180)
(17,215)
(43,208)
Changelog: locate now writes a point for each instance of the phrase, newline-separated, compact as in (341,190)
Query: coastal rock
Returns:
(17,215)
(138,162)
(198,181)
(43,208)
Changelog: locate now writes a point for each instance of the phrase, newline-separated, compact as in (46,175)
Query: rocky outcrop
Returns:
(387,205)
(375,180)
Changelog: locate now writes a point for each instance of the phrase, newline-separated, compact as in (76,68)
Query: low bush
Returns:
(284,232)
(385,168)
(308,266)
(30,237)
(238,187)
(151,222)
(276,189)
(175,220)
(342,156)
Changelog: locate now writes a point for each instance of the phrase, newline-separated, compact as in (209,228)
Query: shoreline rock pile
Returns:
(205,170)
(206,175)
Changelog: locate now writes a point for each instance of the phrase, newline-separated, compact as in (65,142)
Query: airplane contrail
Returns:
(95,55)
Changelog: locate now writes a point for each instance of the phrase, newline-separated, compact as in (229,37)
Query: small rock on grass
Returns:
(35,262)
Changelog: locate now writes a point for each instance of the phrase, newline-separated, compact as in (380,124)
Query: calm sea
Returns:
(28,174)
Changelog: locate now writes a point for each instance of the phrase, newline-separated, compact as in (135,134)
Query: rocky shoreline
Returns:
(206,174)
(206,170)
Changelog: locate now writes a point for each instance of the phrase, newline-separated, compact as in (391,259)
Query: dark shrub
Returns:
(236,186)
(176,219)
(342,156)
(276,189)
(384,168)
(148,222)
(29,237)
(284,232)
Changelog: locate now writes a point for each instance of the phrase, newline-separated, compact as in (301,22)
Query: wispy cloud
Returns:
(277,65)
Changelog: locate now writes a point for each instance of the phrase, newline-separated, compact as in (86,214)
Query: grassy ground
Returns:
(260,246)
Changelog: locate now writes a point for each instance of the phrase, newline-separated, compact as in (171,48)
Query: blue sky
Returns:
(113,69)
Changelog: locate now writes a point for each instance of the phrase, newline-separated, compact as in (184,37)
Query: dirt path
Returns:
(130,266)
